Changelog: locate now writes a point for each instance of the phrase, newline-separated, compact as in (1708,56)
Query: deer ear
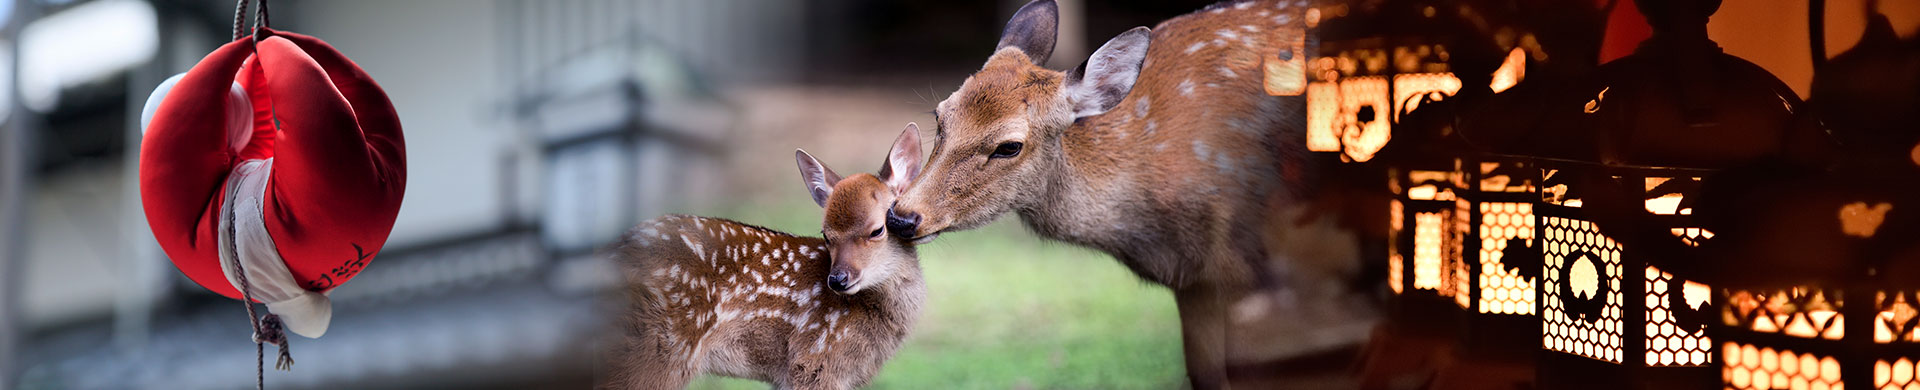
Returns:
(903,161)
(1033,29)
(1099,84)
(817,177)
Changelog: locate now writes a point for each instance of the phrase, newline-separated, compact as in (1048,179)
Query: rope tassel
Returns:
(273,331)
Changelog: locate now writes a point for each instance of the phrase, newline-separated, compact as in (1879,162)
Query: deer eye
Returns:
(1005,150)
(877,232)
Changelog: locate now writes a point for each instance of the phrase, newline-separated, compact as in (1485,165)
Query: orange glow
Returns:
(1750,367)
(1426,250)
(1898,311)
(1490,182)
(1395,263)
(1599,338)
(1323,104)
(1287,77)
(1859,220)
(1407,86)
(1503,291)
(1667,344)
(1798,312)
(1363,138)
(1456,256)
(1511,72)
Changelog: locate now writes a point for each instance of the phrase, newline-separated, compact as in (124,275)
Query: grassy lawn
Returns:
(1007,310)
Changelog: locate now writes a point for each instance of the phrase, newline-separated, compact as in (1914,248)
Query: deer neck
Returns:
(1082,187)
(895,304)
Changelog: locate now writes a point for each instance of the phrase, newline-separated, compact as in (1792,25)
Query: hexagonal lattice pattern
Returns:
(1503,291)
(1428,237)
(1597,338)
(1903,374)
(1896,320)
(1754,368)
(1671,340)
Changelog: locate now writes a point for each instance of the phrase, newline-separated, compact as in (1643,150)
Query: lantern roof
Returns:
(1679,101)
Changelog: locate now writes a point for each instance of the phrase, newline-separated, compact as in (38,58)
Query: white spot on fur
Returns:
(1263,13)
(1140,106)
(1220,42)
(1243,5)
(1228,73)
(1151,127)
(1217,10)
(1227,33)
(1186,87)
(1196,47)
(1282,19)
(1251,28)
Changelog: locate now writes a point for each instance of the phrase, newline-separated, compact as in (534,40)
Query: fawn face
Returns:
(998,138)
(856,207)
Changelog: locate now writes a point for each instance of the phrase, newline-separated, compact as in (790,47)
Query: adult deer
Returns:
(1164,155)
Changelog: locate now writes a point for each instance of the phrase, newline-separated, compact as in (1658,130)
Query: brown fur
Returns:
(716,296)
(1173,181)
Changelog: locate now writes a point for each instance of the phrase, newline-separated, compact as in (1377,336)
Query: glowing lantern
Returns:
(1836,304)
(1618,307)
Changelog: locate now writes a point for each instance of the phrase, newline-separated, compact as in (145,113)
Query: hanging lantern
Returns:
(1834,299)
(1615,312)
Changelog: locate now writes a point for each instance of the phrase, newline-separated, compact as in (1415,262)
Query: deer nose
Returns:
(902,226)
(838,281)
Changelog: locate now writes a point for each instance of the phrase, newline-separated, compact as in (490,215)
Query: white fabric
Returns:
(239,112)
(244,241)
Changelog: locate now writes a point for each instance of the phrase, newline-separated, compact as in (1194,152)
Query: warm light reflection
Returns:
(1286,69)
(1323,104)
(1456,256)
(1796,312)
(1395,262)
(1364,109)
(1504,291)
(1750,367)
(1407,87)
(1597,338)
(1898,312)
(1669,343)
(1490,181)
(1896,375)
(1426,250)
(1511,72)
(1668,204)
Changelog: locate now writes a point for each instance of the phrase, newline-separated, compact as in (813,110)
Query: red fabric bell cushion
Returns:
(339,160)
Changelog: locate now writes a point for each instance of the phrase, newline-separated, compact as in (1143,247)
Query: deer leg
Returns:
(1203,331)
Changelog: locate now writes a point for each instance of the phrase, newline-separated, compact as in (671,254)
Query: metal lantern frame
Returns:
(1611,318)
(1801,337)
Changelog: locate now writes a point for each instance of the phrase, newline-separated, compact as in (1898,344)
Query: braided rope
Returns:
(269,329)
(239,19)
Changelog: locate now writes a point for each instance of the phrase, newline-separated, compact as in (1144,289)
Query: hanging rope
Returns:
(268,329)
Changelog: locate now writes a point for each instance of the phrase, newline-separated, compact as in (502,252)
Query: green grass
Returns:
(1008,310)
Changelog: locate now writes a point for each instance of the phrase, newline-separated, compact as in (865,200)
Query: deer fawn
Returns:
(718,296)
(1164,155)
